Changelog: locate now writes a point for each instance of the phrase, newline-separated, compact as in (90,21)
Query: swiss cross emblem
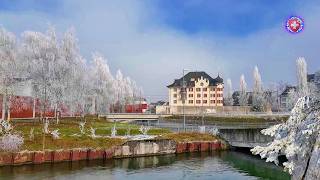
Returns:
(294,24)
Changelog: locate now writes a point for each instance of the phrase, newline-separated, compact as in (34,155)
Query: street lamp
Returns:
(183,98)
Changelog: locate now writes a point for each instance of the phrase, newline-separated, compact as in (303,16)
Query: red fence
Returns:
(27,107)
(24,107)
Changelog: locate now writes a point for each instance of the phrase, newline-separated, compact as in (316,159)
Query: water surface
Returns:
(226,165)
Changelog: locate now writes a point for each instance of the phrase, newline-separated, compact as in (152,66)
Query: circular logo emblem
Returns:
(295,24)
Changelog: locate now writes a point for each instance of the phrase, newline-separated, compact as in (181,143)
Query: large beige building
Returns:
(200,90)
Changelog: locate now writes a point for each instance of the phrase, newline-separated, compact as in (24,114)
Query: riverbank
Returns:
(128,149)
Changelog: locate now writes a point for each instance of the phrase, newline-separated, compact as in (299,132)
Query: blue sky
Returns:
(229,18)
(152,41)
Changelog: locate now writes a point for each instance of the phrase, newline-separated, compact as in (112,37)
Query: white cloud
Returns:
(130,34)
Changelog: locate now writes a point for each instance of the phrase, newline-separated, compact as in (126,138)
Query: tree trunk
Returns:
(4,104)
(8,108)
(93,109)
(34,108)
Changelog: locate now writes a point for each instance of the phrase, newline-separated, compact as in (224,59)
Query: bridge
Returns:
(237,134)
(132,116)
(249,137)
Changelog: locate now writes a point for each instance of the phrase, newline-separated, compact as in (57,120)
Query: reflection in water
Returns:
(216,165)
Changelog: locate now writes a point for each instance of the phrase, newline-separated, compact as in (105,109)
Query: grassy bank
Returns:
(70,134)
(189,137)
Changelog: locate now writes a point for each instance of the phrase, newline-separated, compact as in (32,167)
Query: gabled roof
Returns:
(287,90)
(196,75)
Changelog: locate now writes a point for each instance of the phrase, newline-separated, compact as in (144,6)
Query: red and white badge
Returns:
(295,24)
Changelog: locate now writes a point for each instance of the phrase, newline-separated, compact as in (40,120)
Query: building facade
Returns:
(199,90)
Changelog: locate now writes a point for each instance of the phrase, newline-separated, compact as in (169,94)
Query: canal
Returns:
(208,165)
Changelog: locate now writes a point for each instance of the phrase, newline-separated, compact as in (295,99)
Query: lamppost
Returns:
(183,98)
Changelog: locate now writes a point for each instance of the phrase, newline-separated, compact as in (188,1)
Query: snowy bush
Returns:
(144,129)
(31,134)
(46,126)
(93,132)
(113,131)
(81,127)
(5,127)
(214,131)
(11,142)
(295,138)
(55,134)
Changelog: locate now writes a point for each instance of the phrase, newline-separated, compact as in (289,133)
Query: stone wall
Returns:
(145,148)
(129,149)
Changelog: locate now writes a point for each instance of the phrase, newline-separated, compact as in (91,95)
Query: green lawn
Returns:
(68,127)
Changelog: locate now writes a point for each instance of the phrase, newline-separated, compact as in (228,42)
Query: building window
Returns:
(212,102)
(205,95)
(175,95)
(198,101)
(205,102)
(211,95)
(174,101)
(198,95)
(190,101)
(175,89)
(190,95)
(198,89)
(191,89)
(201,84)
(204,89)
(212,89)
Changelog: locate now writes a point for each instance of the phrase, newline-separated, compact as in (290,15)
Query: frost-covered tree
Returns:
(243,97)
(292,98)
(120,90)
(102,84)
(76,87)
(228,100)
(42,52)
(294,138)
(258,99)
(61,78)
(10,68)
(302,86)
(272,96)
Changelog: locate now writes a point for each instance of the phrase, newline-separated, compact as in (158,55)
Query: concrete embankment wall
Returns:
(129,149)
